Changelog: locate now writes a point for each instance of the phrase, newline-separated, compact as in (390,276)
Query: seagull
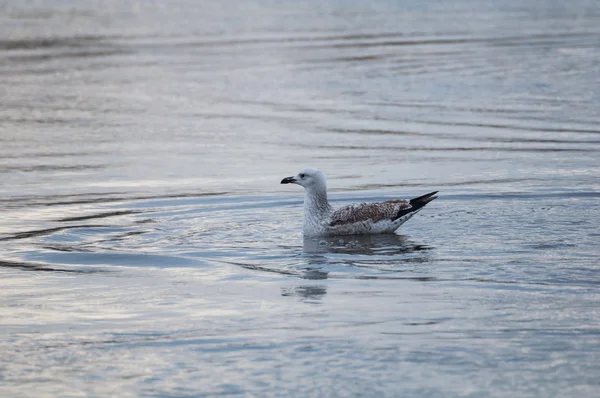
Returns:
(320,219)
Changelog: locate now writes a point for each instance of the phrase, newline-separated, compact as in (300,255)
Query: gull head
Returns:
(311,179)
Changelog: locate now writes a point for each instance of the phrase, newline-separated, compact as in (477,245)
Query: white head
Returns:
(311,179)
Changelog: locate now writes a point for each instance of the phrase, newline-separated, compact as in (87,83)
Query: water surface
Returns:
(148,249)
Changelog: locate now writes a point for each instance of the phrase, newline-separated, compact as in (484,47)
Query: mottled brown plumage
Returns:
(373,212)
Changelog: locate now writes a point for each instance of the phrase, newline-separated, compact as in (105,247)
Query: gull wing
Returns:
(375,212)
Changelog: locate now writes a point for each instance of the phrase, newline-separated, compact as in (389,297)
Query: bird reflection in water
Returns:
(307,293)
(377,256)
(380,254)
(380,245)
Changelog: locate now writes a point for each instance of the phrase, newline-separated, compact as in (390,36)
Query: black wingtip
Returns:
(422,198)
(417,204)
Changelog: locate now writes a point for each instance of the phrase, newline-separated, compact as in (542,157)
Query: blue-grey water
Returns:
(148,249)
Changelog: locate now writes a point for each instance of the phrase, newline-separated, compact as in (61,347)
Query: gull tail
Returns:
(416,204)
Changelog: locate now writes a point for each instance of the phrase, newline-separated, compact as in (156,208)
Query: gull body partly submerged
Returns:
(320,219)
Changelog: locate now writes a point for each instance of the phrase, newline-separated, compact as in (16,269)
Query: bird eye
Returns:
(301,175)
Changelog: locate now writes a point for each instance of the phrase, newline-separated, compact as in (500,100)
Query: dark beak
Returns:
(288,180)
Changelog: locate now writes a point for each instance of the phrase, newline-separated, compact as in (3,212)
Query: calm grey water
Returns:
(148,249)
